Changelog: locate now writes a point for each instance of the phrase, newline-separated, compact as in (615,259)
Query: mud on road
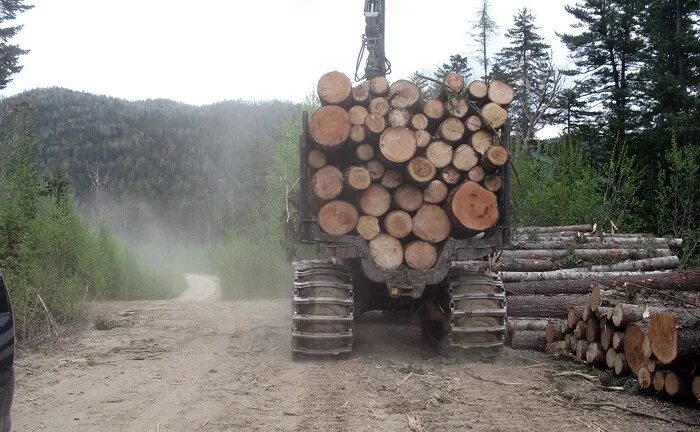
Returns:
(210,365)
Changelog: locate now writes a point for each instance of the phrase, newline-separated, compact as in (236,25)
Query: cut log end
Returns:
(644,378)
(376,169)
(399,117)
(338,218)
(496,156)
(473,207)
(398,224)
(481,141)
(408,198)
(476,174)
(386,252)
(357,115)
(392,179)
(379,86)
(431,224)
(358,134)
(358,178)
(473,123)
(398,144)
(465,158)
(360,94)
(421,171)
(454,82)
(379,106)
(375,124)
(434,109)
(404,94)
(419,121)
(375,200)
(494,114)
(420,255)
(435,193)
(500,93)
(452,130)
(439,153)
(364,152)
(316,159)
(422,138)
(368,227)
(493,183)
(334,88)
(658,380)
(621,365)
(478,89)
(327,183)
(635,337)
(329,127)
(451,175)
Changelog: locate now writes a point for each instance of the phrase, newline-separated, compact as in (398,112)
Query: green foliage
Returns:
(49,254)
(251,267)
(10,53)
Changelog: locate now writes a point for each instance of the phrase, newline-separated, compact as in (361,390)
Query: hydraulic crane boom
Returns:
(373,41)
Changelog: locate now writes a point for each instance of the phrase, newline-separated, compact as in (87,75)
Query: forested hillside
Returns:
(192,170)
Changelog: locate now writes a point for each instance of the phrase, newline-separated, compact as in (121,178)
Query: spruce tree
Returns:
(484,28)
(525,63)
(607,54)
(9,53)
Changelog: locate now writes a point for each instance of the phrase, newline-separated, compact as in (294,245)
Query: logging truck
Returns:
(401,191)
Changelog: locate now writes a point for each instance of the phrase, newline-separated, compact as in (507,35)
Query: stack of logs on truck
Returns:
(614,301)
(405,172)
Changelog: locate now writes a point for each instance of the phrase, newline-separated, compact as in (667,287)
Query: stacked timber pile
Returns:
(634,315)
(406,173)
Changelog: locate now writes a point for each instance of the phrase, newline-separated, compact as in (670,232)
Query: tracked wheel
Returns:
(470,314)
(322,313)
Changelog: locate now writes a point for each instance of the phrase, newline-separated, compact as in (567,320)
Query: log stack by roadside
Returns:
(403,172)
(627,309)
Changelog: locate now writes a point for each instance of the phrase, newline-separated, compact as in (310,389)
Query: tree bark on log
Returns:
(528,340)
(675,335)
(398,144)
(525,324)
(658,263)
(408,198)
(592,330)
(431,224)
(635,336)
(586,254)
(624,313)
(537,306)
(472,207)
(386,252)
(566,274)
(329,127)
(439,153)
(338,217)
(375,200)
(514,264)
(420,255)
(555,229)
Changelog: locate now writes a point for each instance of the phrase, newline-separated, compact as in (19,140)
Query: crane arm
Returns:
(373,41)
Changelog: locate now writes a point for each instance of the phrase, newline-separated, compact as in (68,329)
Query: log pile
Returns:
(633,317)
(403,172)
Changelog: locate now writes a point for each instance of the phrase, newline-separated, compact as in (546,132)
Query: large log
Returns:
(624,313)
(421,171)
(536,306)
(675,335)
(595,355)
(677,385)
(554,229)
(635,340)
(527,324)
(621,365)
(587,254)
(386,252)
(472,207)
(404,94)
(514,264)
(329,127)
(439,153)
(688,280)
(658,263)
(398,224)
(573,316)
(398,144)
(435,192)
(375,200)
(431,224)
(327,183)
(528,340)
(554,332)
(565,274)
(420,255)
(338,217)
(408,198)
(334,88)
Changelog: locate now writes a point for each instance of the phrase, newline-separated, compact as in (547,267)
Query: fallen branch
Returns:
(490,380)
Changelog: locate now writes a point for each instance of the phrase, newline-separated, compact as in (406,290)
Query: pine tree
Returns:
(525,63)
(484,28)
(9,54)
(671,72)
(607,55)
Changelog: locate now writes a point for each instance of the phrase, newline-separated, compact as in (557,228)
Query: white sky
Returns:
(205,51)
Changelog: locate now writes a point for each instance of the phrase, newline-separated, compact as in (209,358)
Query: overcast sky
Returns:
(205,51)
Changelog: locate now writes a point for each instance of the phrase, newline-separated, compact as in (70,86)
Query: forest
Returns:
(220,180)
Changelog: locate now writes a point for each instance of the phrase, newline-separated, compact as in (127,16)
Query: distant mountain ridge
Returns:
(186,163)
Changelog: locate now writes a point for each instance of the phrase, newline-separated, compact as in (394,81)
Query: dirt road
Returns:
(225,366)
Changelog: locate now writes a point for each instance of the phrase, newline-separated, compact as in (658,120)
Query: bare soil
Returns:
(198,364)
